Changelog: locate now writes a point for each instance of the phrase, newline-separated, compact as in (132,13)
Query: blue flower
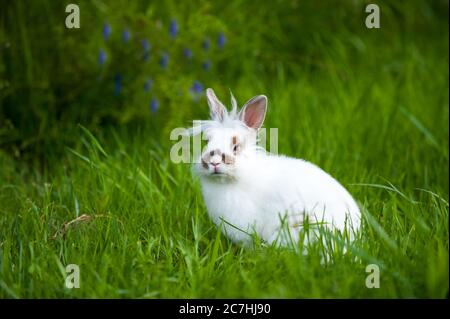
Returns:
(154,105)
(196,90)
(164,60)
(206,65)
(197,87)
(148,85)
(173,28)
(221,40)
(145,45)
(126,35)
(187,53)
(102,57)
(117,84)
(106,31)
(206,44)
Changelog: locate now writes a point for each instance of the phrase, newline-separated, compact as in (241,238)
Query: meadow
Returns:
(85,173)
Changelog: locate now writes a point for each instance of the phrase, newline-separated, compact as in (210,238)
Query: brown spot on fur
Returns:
(215,152)
(228,159)
(204,164)
(205,159)
(235,146)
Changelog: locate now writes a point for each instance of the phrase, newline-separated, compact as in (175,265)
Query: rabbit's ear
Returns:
(217,109)
(254,111)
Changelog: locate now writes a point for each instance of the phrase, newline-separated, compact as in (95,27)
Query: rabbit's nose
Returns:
(215,160)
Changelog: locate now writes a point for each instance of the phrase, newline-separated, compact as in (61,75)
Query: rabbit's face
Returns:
(226,148)
(231,137)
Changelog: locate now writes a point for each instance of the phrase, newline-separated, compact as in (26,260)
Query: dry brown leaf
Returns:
(80,219)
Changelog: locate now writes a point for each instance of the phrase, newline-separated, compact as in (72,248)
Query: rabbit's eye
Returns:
(236,145)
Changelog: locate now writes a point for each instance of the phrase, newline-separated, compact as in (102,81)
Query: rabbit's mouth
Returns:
(216,170)
(218,173)
(219,176)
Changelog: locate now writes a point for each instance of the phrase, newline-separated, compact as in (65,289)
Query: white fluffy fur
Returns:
(261,191)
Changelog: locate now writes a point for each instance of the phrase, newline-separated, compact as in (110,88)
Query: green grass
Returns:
(372,110)
(150,235)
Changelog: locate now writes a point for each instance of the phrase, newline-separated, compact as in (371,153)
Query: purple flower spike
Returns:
(126,35)
(173,28)
(221,40)
(164,61)
(206,65)
(154,105)
(145,45)
(206,44)
(148,85)
(102,57)
(106,31)
(187,53)
(197,87)
(117,84)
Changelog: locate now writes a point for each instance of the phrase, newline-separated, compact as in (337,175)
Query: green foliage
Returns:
(368,106)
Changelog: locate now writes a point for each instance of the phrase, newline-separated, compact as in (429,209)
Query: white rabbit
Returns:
(248,190)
